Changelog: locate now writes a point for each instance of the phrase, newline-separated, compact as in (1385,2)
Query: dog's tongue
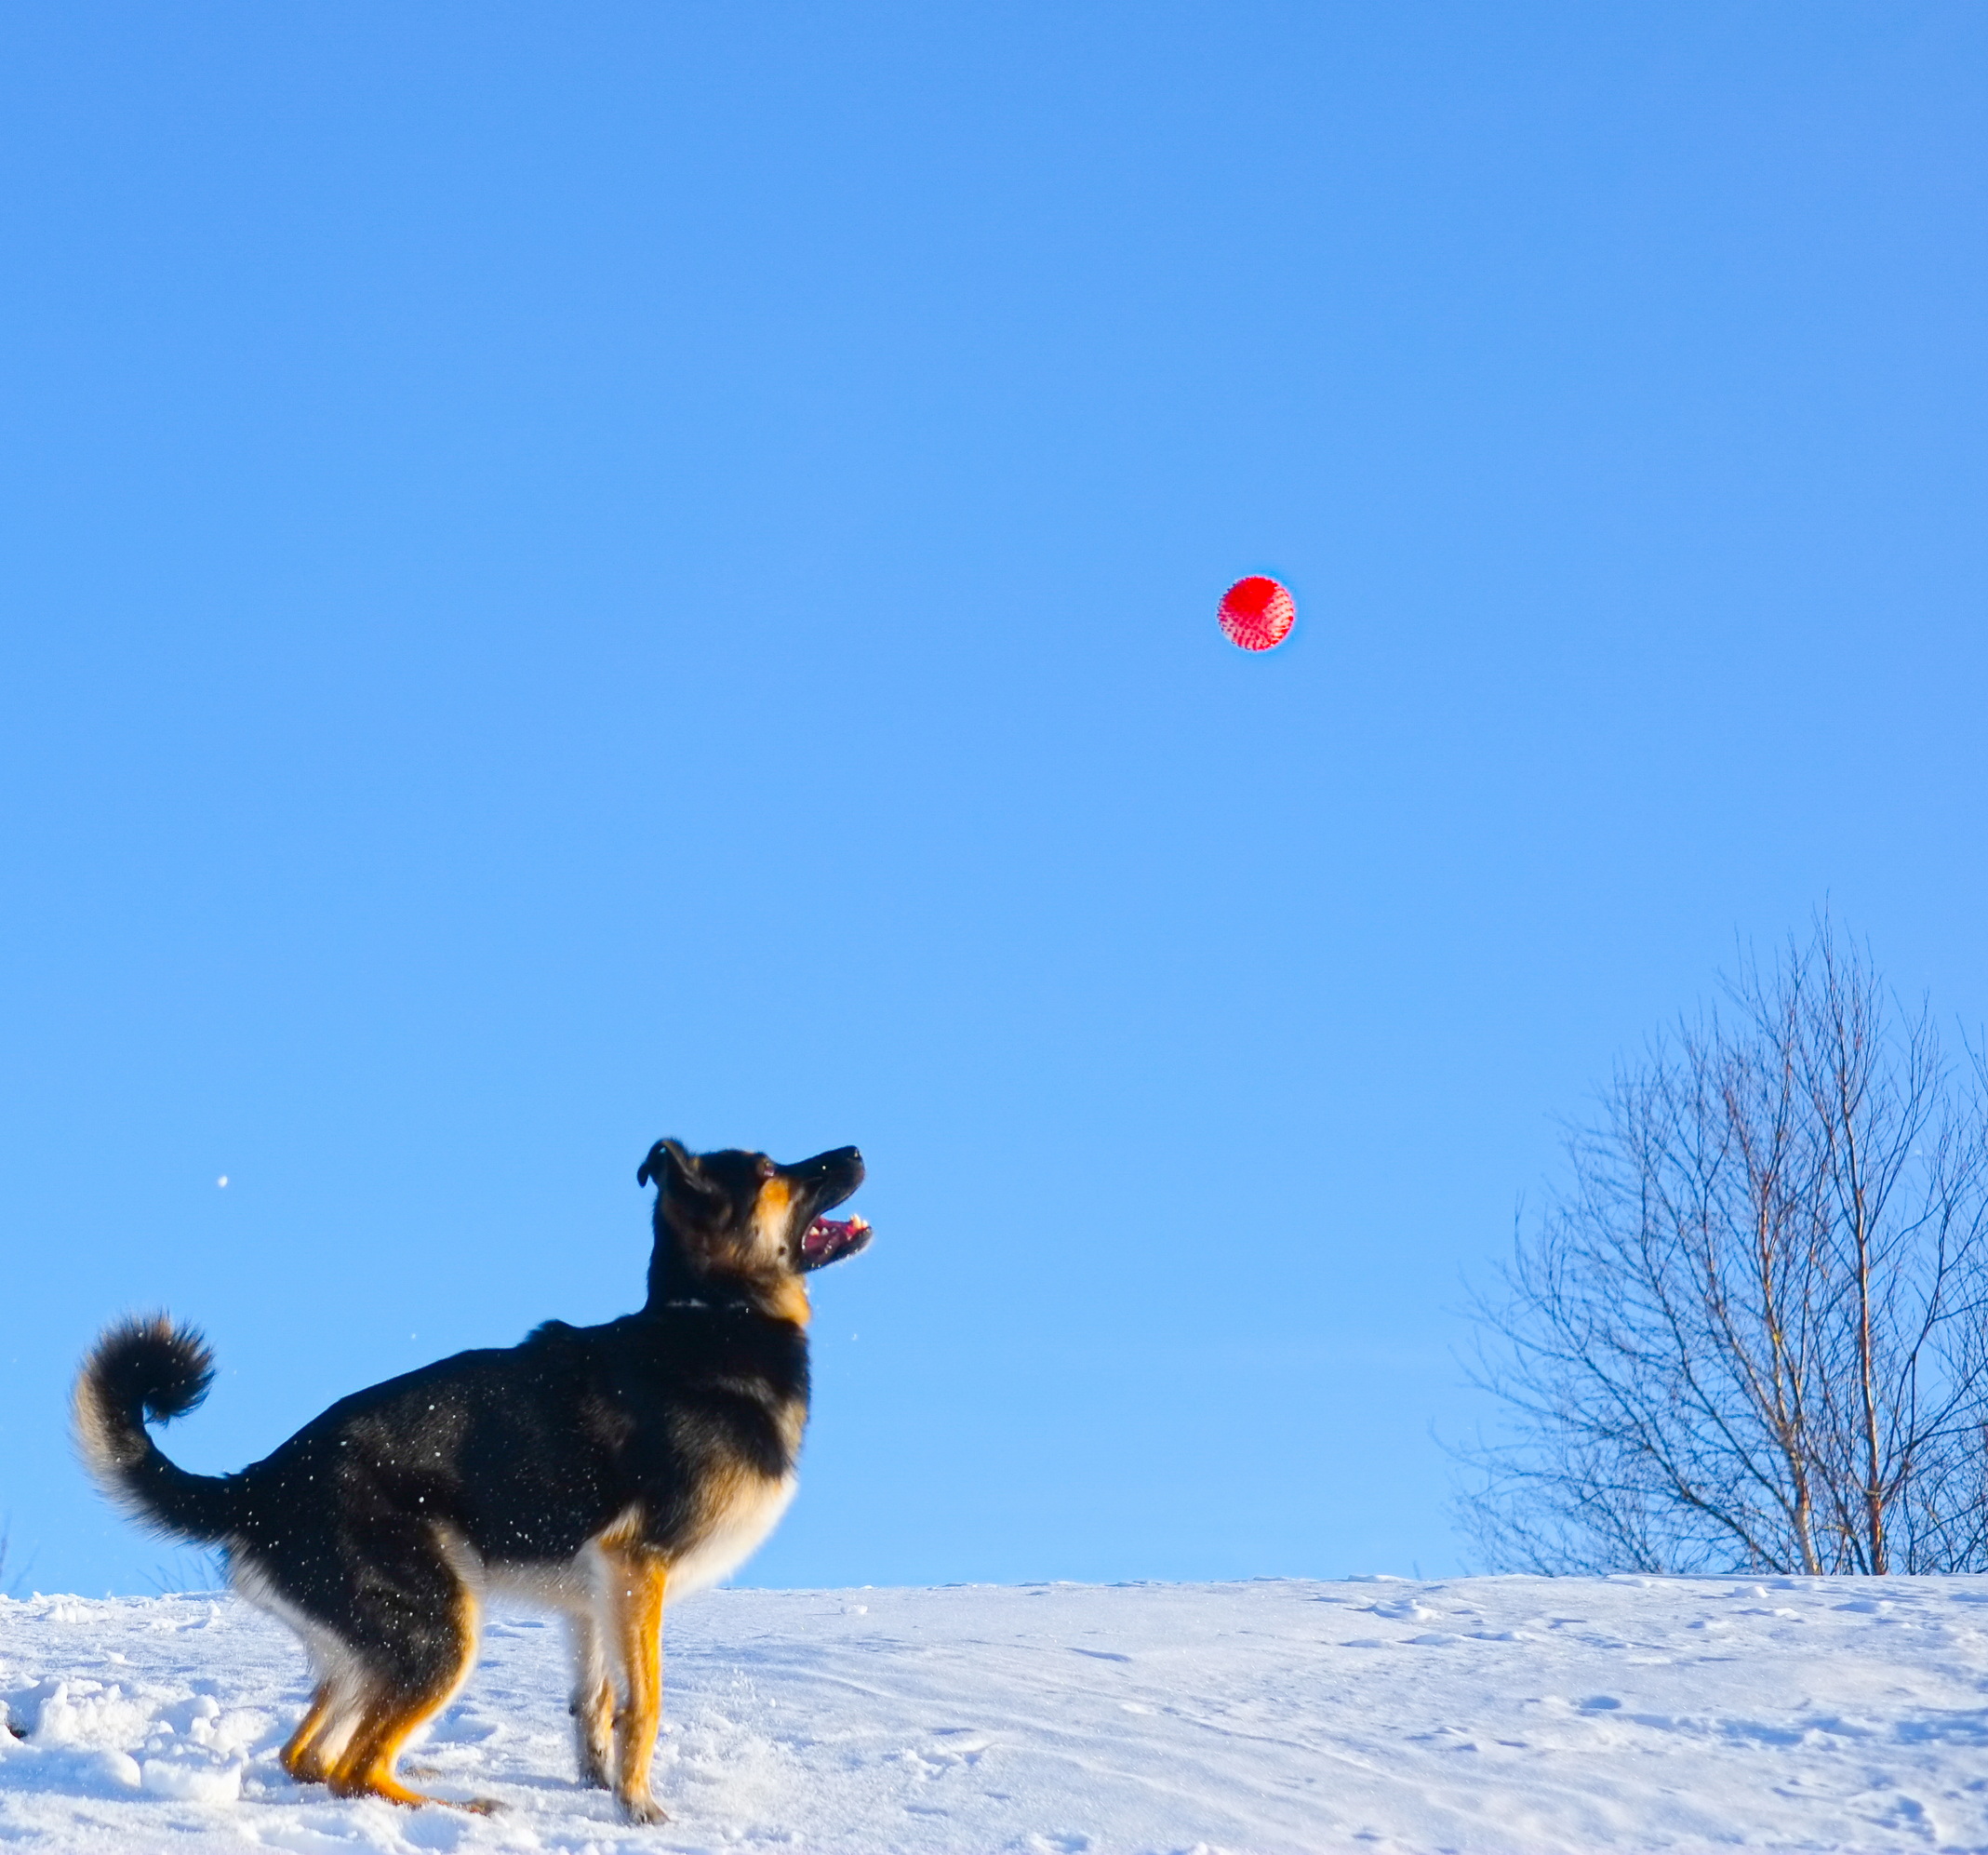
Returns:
(830,1238)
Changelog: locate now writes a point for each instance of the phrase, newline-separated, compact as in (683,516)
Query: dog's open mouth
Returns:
(829,1239)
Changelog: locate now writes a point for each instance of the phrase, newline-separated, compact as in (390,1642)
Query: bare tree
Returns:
(1749,1333)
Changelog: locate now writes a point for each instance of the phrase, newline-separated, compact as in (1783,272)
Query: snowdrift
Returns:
(1497,1714)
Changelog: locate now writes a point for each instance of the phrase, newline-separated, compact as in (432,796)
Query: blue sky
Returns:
(568,574)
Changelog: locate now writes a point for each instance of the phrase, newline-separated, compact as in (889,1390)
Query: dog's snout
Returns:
(839,1170)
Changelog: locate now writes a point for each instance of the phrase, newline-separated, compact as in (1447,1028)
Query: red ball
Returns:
(1257,613)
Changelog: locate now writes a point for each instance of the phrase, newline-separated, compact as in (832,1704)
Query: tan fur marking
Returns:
(737,1507)
(721,1493)
(367,1770)
(296,1757)
(787,1299)
(771,1215)
(620,1532)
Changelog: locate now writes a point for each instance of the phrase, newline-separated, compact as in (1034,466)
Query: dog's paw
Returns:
(643,1809)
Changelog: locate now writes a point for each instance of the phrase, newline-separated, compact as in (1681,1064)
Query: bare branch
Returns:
(1752,1330)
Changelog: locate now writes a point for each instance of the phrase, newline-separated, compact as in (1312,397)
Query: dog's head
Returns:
(749,1221)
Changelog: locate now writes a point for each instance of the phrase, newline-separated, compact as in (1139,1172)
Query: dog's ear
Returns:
(670,1168)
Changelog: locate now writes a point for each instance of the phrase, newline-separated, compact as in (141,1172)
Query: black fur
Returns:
(142,1369)
(374,1524)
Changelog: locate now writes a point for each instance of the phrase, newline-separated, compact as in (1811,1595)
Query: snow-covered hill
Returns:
(1505,1713)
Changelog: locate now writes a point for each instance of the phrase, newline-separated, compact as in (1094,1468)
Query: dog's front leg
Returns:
(637,1587)
(593,1703)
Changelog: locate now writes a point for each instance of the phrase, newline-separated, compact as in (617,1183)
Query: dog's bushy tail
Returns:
(140,1369)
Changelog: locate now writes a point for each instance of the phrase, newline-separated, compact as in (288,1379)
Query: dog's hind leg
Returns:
(392,1716)
(593,1702)
(636,1581)
(418,1643)
(367,1770)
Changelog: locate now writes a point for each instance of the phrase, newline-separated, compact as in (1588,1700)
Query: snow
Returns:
(1495,1715)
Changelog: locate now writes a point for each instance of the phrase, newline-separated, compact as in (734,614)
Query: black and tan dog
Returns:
(591,1468)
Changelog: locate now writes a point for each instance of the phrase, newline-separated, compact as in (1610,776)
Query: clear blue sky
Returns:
(574,573)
